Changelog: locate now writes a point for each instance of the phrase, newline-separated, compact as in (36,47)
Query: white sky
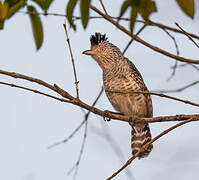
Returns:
(30,122)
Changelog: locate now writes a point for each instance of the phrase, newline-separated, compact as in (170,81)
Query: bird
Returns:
(121,81)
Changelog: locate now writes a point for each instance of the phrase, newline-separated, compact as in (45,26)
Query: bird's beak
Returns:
(88,52)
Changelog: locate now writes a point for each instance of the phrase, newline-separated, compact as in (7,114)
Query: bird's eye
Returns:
(102,49)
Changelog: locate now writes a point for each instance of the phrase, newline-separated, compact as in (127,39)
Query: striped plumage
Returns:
(121,78)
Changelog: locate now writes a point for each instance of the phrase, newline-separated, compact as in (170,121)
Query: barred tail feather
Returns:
(140,136)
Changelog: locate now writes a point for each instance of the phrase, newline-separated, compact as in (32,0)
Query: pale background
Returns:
(30,122)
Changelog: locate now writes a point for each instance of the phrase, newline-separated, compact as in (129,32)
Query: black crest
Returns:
(97,38)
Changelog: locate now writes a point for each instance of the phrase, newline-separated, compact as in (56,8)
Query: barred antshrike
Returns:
(121,78)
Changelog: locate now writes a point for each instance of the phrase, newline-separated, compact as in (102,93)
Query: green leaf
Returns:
(36,26)
(84,7)
(187,6)
(15,7)
(124,7)
(134,13)
(44,4)
(69,12)
(147,7)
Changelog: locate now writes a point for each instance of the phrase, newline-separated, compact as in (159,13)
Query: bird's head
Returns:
(105,53)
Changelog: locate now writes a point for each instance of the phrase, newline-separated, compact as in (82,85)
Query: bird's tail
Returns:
(140,136)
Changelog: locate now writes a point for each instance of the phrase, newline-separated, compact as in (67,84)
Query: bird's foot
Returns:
(105,113)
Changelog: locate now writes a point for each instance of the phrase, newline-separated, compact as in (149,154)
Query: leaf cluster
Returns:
(10,7)
(142,8)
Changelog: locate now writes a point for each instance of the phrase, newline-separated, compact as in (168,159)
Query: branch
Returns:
(150,142)
(73,62)
(114,116)
(122,28)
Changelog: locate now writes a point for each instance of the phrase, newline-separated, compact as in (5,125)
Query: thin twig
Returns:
(188,64)
(157,49)
(177,54)
(173,71)
(76,166)
(102,4)
(69,137)
(150,142)
(130,42)
(187,34)
(174,41)
(179,89)
(73,62)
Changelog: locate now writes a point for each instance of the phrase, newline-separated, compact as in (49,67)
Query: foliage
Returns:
(144,8)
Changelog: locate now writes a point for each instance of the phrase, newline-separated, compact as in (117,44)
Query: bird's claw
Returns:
(106,118)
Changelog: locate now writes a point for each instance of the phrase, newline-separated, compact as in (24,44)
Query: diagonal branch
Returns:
(157,49)
(150,142)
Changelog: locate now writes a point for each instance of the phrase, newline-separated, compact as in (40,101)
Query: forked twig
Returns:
(73,62)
